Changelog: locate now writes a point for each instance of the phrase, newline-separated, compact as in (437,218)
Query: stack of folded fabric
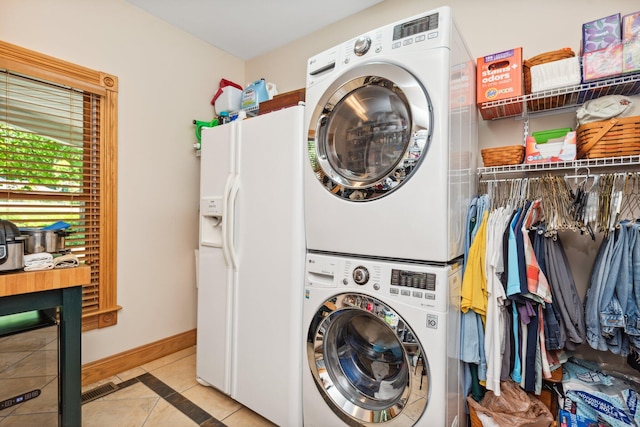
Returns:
(608,107)
(66,261)
(39,261)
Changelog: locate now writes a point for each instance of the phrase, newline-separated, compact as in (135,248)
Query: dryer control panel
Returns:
(411,36)
(415,34)
(417,26)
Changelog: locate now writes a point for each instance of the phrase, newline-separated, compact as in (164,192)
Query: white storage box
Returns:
(229,100)
(555,74)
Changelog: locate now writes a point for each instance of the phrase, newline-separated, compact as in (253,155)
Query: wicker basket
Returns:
(543,58)
(473,417)
(609,138)
(502,156)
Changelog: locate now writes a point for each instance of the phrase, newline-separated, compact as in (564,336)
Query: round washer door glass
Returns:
(360,359)
(369,135)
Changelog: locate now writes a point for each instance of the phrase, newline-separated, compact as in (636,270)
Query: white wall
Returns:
(166,79)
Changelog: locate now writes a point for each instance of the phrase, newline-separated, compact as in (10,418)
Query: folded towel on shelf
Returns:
(39,266)
(66,261)
(39,261)
(39,257)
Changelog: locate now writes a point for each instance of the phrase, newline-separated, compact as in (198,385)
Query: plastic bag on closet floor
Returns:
(513,408)
(597,394)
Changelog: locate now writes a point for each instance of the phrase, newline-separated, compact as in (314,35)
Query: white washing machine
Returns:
(392,142)
(381,343)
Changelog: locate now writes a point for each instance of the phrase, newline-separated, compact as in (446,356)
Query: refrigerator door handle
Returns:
(225,220)
(231,222)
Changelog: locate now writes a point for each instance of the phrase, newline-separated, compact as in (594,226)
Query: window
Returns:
(58,146)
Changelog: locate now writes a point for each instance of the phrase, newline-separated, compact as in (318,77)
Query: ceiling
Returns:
(250,28)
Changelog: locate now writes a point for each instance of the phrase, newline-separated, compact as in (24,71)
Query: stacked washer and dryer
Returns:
(392,147)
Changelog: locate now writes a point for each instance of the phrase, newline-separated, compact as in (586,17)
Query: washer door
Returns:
(359,357)
(370,131)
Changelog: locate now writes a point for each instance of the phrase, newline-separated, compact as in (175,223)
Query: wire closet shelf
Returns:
(563,99)
(576,165)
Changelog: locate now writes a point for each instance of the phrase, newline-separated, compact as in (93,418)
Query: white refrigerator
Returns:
(251,263)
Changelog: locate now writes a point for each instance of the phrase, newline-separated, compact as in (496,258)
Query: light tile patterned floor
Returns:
(29,361)
(161,393)
(139,405)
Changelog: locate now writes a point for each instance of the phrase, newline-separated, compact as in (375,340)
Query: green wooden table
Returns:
(62,289)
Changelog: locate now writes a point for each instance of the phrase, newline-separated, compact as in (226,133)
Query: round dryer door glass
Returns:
(360,360)
(370,134)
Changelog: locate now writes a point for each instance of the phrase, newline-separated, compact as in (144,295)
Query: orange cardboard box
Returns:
(499,76)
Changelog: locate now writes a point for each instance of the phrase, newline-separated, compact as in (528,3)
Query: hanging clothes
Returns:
(474,283)
(472,352)
(612,306)
(496,298)
(632,327)
(592,297)
(507,293)
(518,292)
(537,285)
(470,223)
(568,310)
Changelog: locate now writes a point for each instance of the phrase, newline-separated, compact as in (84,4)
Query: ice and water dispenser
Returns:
(211,218)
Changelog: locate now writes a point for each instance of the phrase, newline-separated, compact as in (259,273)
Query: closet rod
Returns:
(577,176)
(492,181)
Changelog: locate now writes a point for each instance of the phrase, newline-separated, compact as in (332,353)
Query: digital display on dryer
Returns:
(417,26)
(412,279)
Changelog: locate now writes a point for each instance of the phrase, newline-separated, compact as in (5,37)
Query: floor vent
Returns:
(98,392)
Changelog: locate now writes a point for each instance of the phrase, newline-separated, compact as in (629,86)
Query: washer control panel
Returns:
(414,284)
(413,279)
(420,285)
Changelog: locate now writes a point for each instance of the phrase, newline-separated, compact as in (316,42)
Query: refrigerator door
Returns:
(269,237)
(215,278)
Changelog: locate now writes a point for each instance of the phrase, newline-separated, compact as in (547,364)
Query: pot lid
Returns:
(9,232)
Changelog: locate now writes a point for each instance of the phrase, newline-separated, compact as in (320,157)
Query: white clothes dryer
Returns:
(392,142)
(381,343)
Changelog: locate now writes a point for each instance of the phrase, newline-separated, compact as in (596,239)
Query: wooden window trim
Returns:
(28,62)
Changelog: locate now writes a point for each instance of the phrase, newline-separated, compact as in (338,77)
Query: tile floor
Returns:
(160,393)
(153,392)
(28,362)
(163,392)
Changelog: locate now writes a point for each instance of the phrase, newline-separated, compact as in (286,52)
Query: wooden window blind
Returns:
(57,162)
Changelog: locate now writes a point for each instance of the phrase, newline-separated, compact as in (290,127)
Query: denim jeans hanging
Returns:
(592,298)
(632,325)
(611,312)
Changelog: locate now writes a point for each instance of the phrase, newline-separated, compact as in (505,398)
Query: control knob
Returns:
(361,275)
(362,45)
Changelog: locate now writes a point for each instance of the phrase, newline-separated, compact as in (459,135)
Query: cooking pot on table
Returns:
(11,247)
(39,240)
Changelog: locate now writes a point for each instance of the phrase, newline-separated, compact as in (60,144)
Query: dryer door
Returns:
(370,131)
(360,361)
